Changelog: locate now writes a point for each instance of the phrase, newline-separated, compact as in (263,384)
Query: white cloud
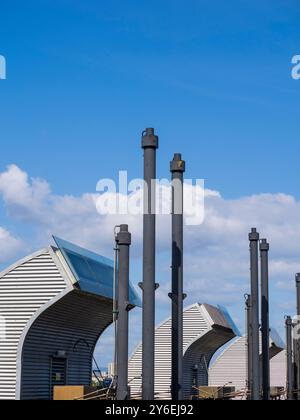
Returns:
(217,257)
(9,245)
(216,252)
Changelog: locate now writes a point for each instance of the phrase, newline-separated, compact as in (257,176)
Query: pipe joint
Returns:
(149,139)
(254,235)
(124,237)
(177,164)
(264,246)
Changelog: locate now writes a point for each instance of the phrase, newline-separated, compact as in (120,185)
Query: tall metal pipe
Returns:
(254,239)
(249,346)
(177,168)
(150,145)
(289,355)
(124,242)
(265,318)
(297,343)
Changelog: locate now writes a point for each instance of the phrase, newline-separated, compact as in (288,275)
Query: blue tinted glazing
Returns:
(230,320)
(93,272)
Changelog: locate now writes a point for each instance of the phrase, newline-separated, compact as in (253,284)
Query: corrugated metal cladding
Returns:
(198,357)
(23,291)
(46,315)
(197,327)
(71,326)
(279,370)
(231,366)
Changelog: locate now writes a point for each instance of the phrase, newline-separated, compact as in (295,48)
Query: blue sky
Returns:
(84,78)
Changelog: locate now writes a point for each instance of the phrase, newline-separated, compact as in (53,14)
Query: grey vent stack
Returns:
(297,340)
(177,167)
(124,242)
(265,323)
(289,358)
(149,145)
(254,240)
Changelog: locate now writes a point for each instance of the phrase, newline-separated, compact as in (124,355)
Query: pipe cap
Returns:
(149,139)
(177,164)
(254,235)
(124,237)
(264,246)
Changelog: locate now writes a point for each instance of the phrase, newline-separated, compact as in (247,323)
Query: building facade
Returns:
(206,329)
(56,303)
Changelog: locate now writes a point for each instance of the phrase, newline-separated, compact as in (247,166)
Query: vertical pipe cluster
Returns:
(297,340)
(177,168)
(150,145)
(259,374)
(249,346)
(124,241)
(265,325)
(254,240)
(289,355)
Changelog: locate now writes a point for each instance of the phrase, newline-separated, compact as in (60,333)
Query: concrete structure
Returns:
(231,365)
(56,304)
(205,330)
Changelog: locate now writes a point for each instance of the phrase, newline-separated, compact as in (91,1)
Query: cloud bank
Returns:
(217,254)
(217,249)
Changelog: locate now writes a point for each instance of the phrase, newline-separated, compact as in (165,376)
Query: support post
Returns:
(289,356)
(254,239)
(265,319)
(177,168)
(124,242)
(249,347)
(150,145)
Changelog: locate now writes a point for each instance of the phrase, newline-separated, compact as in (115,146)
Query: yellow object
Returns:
(70,393)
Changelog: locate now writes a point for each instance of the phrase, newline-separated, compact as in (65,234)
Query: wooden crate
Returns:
(215,393)
(70,393)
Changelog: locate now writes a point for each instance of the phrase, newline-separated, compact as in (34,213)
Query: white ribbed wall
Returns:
(231,366)
(23,291)
(279,370)
(195,325)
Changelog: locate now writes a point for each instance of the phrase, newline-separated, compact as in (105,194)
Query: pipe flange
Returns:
(124,237)
(177,164)
(254,235)
(149,139)
(264,246)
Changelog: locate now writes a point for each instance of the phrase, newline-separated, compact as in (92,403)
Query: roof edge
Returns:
(25,260)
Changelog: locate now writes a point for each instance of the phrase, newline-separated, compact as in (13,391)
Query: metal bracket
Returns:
(171,295)
(141,286)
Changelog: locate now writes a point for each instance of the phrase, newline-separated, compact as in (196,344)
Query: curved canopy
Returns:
(93,273)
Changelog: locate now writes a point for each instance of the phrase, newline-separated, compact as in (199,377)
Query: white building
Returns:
(206,329)
(56,304)
(232,366)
